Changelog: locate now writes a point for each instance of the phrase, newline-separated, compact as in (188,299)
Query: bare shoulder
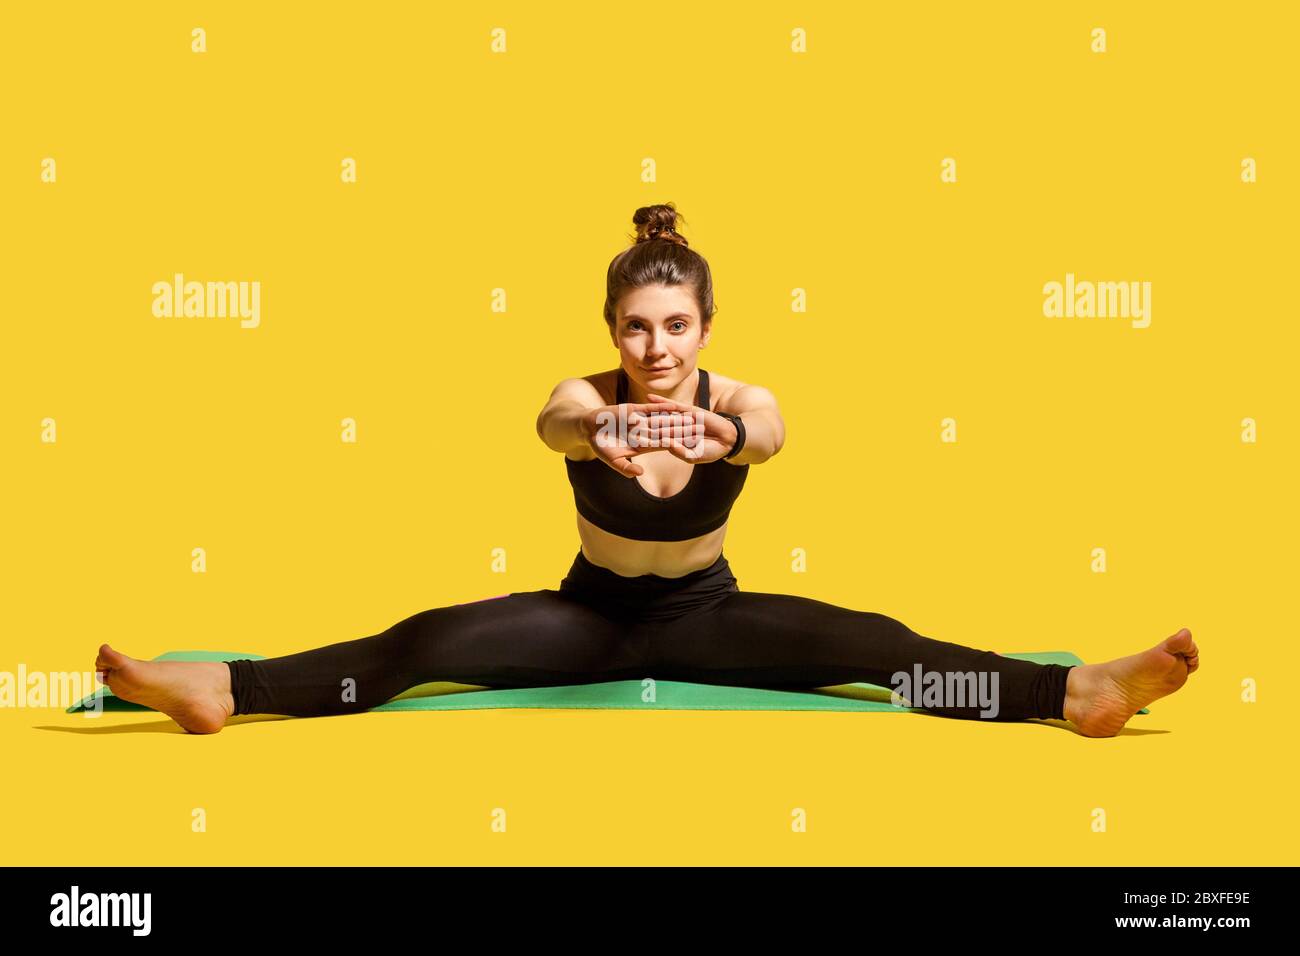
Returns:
(605,385)
(735,396)
(588,390)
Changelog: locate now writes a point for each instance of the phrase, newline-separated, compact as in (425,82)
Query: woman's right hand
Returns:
(618,433)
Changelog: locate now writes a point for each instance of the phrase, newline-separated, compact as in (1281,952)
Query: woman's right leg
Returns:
(525,639)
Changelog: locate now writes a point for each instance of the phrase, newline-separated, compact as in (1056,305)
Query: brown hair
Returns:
(659,255)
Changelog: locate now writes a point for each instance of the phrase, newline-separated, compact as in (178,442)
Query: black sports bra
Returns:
(620,505)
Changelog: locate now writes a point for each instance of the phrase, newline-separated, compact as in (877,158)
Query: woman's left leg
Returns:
(757,639)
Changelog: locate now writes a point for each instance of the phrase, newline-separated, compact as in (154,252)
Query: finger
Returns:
(627,467)
(686,452)
(680,451)
(672,425)
(685,430)
(661,429)
(657,406)
(656,413)
(666,416)
(681,406)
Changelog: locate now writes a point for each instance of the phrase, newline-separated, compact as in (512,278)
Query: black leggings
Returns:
(601,626)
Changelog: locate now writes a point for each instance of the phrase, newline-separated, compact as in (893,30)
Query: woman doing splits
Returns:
(657,450)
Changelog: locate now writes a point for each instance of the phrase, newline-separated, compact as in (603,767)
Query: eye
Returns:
(636,323)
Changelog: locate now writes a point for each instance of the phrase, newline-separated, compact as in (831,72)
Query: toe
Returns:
(109,659)
(1180,643)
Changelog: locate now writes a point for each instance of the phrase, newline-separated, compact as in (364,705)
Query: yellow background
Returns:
(521,171)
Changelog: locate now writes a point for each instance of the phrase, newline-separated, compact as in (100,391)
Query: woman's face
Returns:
(658,333)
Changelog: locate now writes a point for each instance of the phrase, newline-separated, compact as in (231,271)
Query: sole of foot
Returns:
(1100,698)
(195,694)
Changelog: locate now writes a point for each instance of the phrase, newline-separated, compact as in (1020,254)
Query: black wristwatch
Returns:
(740,433)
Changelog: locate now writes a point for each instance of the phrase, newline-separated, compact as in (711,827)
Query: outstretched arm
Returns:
(576,418)
(559,424)
(764,426)
(708,436)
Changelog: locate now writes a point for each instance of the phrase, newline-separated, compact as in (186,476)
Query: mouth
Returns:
(668,369)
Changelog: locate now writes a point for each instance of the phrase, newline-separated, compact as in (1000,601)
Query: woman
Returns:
(657,451)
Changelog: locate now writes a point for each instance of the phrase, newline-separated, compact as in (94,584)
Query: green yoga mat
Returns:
(616,695)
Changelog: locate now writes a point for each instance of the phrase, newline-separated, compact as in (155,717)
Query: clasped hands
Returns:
(619,433)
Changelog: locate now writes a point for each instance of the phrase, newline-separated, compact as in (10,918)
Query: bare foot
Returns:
(195,694)
(1100,698)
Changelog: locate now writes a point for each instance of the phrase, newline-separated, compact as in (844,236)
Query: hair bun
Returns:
(657,222)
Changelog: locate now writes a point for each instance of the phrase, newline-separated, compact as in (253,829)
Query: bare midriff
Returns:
(630,557)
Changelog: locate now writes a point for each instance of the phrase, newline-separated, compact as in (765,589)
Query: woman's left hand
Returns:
(694,434)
